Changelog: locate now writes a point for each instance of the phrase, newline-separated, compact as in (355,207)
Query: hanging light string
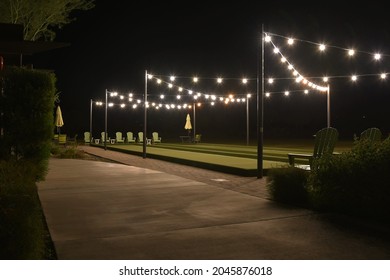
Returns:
(306,81)
(322,47)
(299,78)
(190,92)
(195,96)
(172,105)
(350,51)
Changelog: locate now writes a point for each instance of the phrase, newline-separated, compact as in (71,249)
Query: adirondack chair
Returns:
(140,138)
(155,138)
(87,137)
(119,138)
(102,137)
(325,141)
(197,138)
(129,137)
(62,139)
(372,134)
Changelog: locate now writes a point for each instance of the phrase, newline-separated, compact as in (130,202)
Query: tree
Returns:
(41,17)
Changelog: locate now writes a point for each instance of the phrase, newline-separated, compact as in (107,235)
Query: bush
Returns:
(71,151)
(22,226)
(28,105)
(356,182)
(22,230)
(288,185)
(17,177)
(28,122)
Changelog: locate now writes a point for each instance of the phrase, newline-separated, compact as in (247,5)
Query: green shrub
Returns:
(28,107)
(23,231)
(55,149)
(70,151)
(288,185)
(17,177)
(356,182)
(28,123)
(22,228)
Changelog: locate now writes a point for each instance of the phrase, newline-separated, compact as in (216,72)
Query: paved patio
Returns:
(149,209)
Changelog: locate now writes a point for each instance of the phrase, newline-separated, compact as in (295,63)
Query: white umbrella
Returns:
(59,122)
(188,125)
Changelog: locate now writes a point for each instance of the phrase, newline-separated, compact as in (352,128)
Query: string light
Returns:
(195,96)
(351,52)
(296,75)
(307,80)
(301,78)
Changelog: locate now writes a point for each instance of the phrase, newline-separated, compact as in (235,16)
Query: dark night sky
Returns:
(114,44)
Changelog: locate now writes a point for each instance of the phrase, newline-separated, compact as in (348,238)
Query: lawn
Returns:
(230,158)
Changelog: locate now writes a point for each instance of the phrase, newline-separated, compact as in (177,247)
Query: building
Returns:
(13,47)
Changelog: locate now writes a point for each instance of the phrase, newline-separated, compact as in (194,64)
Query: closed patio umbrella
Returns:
(59,122)
(188,125)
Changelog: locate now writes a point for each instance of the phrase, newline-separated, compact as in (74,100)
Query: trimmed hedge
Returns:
(28,122)
(356,182)
(288,185)
(27,104)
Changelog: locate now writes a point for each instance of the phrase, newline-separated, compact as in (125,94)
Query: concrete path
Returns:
(98,210)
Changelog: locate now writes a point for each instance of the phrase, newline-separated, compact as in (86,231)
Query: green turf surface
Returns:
(235,159)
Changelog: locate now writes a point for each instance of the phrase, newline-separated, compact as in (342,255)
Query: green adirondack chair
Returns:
(87,137)
(371,134)
(325,141)
(140,138)
(156,138)
(119,138)
(129,137)
(62,139)
(103,137)
(197,138)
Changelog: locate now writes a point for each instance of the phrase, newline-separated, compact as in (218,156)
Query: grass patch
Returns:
(67,151)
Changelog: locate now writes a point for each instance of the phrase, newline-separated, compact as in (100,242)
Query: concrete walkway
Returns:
(152,210)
